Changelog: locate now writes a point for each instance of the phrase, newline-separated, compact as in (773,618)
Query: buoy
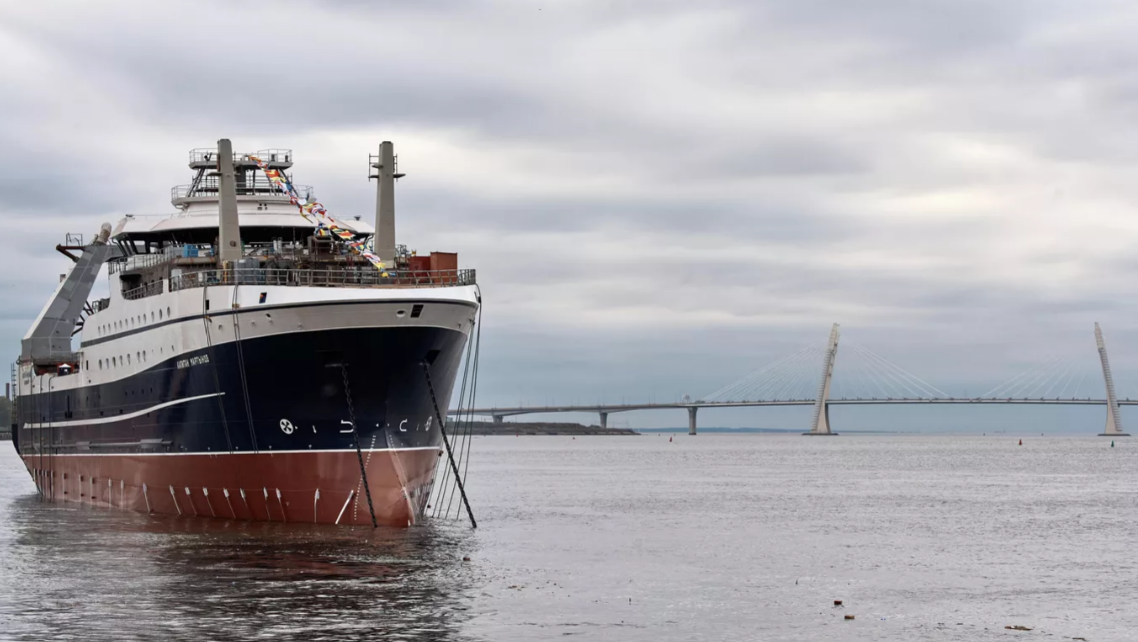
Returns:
(1021,442)
(1112,443)
(669,439)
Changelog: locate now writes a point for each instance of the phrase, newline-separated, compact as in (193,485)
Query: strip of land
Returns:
(550,428)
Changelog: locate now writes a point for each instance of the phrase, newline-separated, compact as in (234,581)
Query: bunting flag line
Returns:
(314,212)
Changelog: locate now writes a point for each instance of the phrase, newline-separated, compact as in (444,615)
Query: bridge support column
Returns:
(604,419)
(691,419)
(498,419)
(1113,418)
(820,425)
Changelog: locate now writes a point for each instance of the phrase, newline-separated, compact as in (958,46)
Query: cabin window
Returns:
(114,362)
(159,315)
(128,358)
(100,364)
(152,317)
(167,313)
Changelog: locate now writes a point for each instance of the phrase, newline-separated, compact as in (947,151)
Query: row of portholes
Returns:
(139,357)
(132,322)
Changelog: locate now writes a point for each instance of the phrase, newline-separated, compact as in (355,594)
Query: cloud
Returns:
(658,197)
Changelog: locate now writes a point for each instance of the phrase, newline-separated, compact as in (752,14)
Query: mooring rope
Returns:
(467,425)
(213,367)
(356,437)
(446,443)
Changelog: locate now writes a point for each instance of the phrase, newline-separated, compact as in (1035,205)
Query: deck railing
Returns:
(366,277)
(209,187)
(150,289)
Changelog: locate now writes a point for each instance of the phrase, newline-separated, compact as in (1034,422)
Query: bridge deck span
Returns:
(537,410)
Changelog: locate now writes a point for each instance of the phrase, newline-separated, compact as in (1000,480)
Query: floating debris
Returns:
(849,617)
(1017,627)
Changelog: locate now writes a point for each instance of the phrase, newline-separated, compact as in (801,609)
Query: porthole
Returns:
(100,364)
(128,358)
(114,362)
(167,313)
(159,315)
(152,317)
(400,313)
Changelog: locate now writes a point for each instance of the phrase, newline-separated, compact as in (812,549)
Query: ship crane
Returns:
(48,342)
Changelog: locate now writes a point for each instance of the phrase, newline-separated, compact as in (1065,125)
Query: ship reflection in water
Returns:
(84,573)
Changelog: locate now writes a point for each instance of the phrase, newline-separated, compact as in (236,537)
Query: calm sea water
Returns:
(715,537)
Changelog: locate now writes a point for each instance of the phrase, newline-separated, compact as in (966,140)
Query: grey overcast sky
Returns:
(659,197)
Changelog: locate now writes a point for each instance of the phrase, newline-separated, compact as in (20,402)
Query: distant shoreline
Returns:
(486,428)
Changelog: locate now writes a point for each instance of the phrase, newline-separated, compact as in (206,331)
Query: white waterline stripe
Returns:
(111,420)
(223,453)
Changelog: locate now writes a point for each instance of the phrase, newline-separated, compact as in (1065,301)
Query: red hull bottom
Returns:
(323,487)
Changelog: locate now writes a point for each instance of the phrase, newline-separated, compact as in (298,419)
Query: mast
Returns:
(229,228)
(385,201)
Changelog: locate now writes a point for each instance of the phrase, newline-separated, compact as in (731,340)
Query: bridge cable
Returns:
(1007,385)
(752,378)
(885,382)
(914,381)
(1044,374)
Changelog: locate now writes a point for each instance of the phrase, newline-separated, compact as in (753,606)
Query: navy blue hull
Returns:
(274,393)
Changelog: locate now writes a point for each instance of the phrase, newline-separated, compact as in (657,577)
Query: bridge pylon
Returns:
(1113,417)
(820,425)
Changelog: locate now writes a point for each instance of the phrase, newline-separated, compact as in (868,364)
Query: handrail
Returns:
(207,154)
(150,289)
(361,277)
(208,187)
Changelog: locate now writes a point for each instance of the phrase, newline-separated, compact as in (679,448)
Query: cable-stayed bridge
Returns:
(806,378)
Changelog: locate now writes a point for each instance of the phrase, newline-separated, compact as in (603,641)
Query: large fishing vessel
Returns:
(256,358)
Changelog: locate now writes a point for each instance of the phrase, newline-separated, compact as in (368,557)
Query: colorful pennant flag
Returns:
(314,212)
